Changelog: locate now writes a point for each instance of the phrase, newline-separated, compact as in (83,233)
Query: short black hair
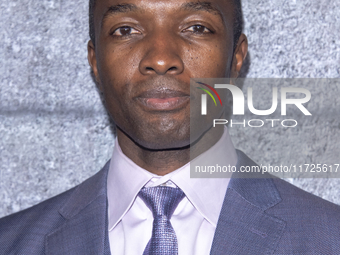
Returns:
(238,20)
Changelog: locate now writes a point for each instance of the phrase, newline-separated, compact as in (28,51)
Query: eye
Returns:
(125,31)
(198,29)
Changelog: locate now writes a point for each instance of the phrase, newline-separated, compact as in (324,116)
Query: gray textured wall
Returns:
(54,132)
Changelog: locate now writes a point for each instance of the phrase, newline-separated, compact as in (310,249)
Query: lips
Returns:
(163,99)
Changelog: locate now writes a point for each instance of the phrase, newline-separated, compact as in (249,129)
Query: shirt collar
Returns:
(125,179)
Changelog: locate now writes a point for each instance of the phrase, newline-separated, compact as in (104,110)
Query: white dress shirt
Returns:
(195,218)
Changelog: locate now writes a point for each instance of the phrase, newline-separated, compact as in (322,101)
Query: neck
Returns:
(162,162)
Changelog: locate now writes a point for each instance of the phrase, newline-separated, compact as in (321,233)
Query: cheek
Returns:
(208,62)
(116,70)
(113,99)
(118,61)
(113,82)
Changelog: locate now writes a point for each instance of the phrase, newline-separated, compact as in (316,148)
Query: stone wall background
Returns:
(54,131)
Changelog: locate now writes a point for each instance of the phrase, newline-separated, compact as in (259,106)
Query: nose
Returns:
(161,55)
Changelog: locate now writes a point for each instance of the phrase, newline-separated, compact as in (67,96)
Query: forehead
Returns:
(223,8)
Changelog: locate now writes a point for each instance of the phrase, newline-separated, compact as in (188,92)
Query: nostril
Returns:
(149,69)
(172,68)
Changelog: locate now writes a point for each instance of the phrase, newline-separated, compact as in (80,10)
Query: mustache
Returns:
(161,87)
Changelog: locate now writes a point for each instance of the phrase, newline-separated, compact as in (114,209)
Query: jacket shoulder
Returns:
(312,223)
(303,200)
(25,232)
(31,225)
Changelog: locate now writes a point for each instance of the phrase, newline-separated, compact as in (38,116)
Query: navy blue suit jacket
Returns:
(259,216)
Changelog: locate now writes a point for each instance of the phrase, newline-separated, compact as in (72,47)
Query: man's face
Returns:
(144,56)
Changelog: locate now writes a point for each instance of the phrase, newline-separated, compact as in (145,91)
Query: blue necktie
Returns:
(162,201)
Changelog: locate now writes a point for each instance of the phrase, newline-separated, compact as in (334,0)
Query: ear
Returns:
(240,54)
(91,56)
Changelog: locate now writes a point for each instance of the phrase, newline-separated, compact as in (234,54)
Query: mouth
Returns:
(163,100)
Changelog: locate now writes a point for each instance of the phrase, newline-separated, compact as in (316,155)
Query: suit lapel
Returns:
(85,228)
(243,226)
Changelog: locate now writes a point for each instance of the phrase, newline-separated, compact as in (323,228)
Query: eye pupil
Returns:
(125,30)
(199,29)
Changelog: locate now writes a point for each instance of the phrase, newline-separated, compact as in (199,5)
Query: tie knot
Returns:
(161,200)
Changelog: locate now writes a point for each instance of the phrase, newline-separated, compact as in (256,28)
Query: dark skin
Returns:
(144,55)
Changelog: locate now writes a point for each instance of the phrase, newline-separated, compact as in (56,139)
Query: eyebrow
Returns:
(190,6)
(119,8)
(202,6)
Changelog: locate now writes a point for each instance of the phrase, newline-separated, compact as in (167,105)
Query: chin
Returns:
(164,139)
(168,144)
